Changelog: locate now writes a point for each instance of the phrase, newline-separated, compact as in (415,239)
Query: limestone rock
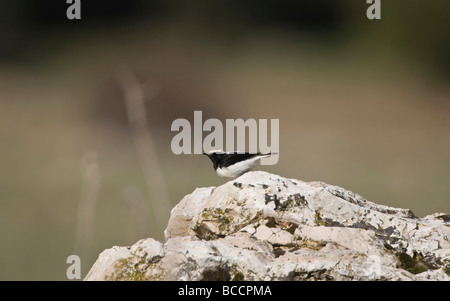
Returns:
(262,226)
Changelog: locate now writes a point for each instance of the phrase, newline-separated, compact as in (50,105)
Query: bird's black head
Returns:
(215,158)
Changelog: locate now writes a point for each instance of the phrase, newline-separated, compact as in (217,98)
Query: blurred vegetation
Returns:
(362,104)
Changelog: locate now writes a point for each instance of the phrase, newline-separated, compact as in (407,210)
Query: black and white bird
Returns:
(234,164)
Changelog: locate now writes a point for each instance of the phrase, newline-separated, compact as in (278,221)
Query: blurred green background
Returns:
(362,104)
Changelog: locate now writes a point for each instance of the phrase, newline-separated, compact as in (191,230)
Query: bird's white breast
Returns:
(237,169)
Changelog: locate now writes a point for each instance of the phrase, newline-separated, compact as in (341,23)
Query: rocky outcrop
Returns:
(262,226)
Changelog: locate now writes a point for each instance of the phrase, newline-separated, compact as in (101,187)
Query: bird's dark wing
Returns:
(230,159)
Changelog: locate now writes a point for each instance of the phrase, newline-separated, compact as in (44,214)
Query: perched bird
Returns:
(234,164)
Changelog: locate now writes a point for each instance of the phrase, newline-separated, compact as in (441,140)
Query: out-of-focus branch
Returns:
(135,97)
(139,209)
(86,208)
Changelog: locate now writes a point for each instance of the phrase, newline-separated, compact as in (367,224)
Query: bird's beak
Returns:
(205,154)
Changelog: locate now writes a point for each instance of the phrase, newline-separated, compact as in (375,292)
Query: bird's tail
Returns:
(267,154)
